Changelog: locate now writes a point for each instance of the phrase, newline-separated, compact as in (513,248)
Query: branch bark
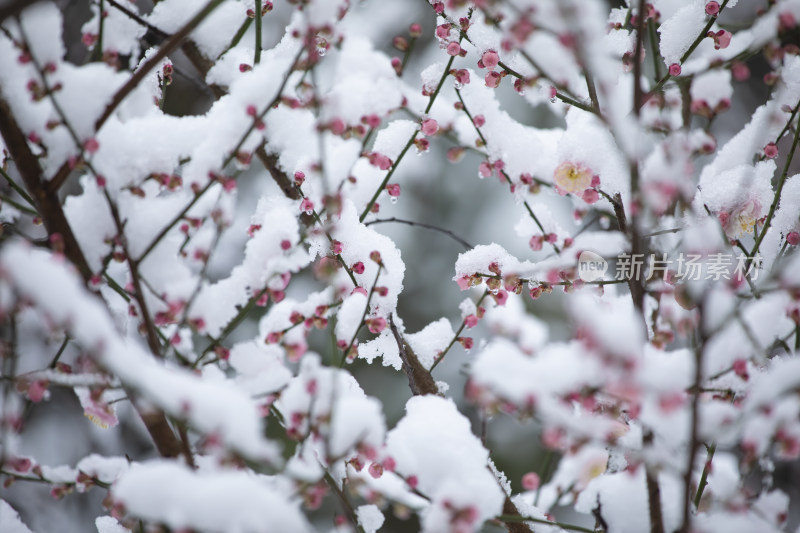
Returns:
(55,222)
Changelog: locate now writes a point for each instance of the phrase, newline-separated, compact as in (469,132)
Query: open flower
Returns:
(742,220)
(572,178)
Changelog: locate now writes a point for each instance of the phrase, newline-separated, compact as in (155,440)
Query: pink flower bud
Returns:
(492,79)
(453,48)
(787,20)
(771,151)
(674,69)
(381,161)
(722,39)
(429,127)
(455,154)
(740,71)
(466,342)
(479,120)
(337,126)
(443,30)
(373,120)
(712,8)
(590,196)
(376,325)
(438,7)
(470,321)
(462,76)
(91,145)
(37,390)
(358,268)
(337,247)
(393,189)
(501,297)
(485,169)
(307,205)
(530,481)
(415,30)
(740,368)
(490,59)
(793,238)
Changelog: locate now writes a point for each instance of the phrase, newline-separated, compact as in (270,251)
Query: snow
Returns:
(367,84)
(431,341)
(260,369)
(479,258)
(680,30)
(208,501)
(333,401)
(623,500)
(108,524)
(105,469)
(212,407)
(121,33)
(370,518)
(712,87)
(455,470)
(10,521)
(213,35)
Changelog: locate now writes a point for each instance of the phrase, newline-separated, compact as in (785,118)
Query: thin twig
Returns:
(449,233)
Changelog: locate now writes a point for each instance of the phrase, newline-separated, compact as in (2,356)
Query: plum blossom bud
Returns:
(462,76)
(787,20)
(674,69)
(455,154)
(358,268)
(530,481)
(493,79)
(429,127)
(376,325)
(490,59)
(415,30)
(740,71)
(740,368)
(712,8)
(479,120)
(453,48)
(470,321)
(771,151)
(400,43)
(722,39)
(91,145)
(793,238)
(307,205)
(393,189)
(485,169)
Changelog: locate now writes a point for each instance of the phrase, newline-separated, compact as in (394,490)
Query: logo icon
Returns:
(591,266)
